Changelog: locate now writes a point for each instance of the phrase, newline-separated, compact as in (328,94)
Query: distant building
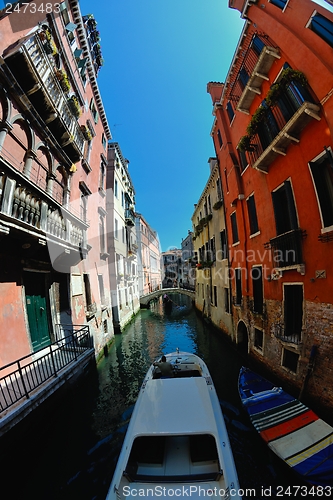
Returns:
(171,268)
(122,240)
(273,138)
(188,261)
(212,290)
(149,257)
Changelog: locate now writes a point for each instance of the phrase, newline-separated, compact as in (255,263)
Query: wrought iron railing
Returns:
(129,217)
(279,333)
(276,118)
(20,378)
(250,60)
(287,248)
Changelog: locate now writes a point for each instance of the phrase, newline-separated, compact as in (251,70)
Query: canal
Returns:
(71,452)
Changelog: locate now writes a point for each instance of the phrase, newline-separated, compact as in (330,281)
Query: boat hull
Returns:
(291,430)
(176,440)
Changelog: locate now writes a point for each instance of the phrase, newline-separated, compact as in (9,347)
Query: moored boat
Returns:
(291,430)
(176,442)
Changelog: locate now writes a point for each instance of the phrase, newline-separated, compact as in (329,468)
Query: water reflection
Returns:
(78,445)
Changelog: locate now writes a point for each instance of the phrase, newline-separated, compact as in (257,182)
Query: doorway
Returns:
(37,309)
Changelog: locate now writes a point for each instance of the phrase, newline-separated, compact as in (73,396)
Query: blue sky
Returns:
(159,56)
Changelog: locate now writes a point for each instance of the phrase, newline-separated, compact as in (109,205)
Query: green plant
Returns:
(63,80)
(288,75)
(86,132)
(74,105)
(245,143)
(258,116)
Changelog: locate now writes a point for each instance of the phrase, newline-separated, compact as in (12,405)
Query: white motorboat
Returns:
(176,442)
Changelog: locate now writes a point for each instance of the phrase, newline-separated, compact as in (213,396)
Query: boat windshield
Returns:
(173,458)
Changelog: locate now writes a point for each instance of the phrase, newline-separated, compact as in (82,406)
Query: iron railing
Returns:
(21,377)
(287,248)
(280,333)
(276,118)
(250,60)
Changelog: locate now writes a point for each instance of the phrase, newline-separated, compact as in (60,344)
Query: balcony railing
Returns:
(256,64)
(282,126)
(32,67)
(287,248)
(20,378)
(279,333)
(129,217)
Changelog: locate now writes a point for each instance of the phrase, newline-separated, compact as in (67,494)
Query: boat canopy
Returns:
(175,406)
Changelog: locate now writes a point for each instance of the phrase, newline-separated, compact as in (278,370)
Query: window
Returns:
(238,278)
(87,289)
(279,3)
(242,160)
(116,188)
(258,338)
(290,360)
(102,176)
(322,27)
(284,209)
(213,249)
(230,111)
(219,138)
(101,288)
(218,189)
(215,296)
(116,229)
(327,4)
(84,193)
(223,238)
(103,140)
(257,286)
(93,110)
(227,300)
(251,207)
(69,26)
(102,234)
(293,311)
(322,173)
(234,228)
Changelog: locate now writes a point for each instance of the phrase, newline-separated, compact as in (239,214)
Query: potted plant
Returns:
(63,80)
(74,106)
(86,132)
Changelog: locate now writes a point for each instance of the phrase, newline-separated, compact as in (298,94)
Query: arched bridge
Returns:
(145,299)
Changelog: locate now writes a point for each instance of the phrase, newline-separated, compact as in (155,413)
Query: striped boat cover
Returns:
(293,431)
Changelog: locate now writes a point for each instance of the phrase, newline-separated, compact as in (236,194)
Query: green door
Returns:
(35,296)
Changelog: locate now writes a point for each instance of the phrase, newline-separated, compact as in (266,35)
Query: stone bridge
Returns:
(145,299)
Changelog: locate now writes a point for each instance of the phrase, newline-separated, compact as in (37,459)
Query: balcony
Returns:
(258,60)
(32,216)
(280,125)
(129,217)
(287,249)
(280,333)
(34,70)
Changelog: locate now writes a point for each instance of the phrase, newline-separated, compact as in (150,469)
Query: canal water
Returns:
(71,453)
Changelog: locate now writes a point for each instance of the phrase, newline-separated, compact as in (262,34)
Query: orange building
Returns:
(273,138)
(53,148)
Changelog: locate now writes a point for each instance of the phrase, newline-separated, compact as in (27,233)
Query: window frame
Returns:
(252,215)
(319,160)
(234,228)
(310,25)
